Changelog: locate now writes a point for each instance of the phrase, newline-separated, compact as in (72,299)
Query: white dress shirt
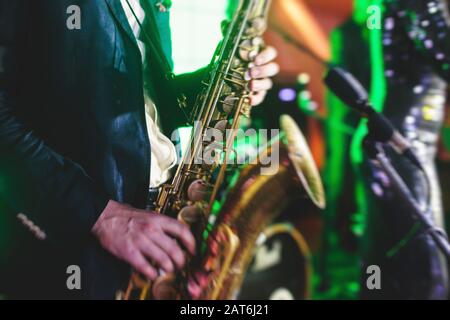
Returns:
(163,152)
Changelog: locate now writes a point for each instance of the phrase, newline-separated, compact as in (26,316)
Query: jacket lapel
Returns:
(115,6)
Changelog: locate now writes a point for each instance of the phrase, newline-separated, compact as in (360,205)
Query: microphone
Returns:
(348,89)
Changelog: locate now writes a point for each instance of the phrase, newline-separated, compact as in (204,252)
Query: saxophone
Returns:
(226,238)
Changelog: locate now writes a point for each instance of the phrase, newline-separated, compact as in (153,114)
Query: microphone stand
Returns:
(376,152)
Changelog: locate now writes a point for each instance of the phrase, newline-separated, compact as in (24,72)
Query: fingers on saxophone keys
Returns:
(258,98)
(264,71)
(137,260)
(171,248)
(197,284)
(261,85)
(249,49)
(154,253)
(194,289)
(180,232)
(269,54)
(247,53)
(201,278)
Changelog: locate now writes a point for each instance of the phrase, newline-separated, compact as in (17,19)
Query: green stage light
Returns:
(377,96)
(196,31)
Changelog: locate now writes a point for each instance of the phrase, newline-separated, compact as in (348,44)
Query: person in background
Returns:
(416,37)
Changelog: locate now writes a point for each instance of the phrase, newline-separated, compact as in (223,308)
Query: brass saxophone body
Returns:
(256,200)
(226,239)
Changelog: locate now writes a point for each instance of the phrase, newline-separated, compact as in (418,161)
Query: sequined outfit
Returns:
(416,40)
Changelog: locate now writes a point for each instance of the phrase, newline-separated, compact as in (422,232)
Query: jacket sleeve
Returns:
(53,192)
(427,24)
(189,84)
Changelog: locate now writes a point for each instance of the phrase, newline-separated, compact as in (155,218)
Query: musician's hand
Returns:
(145,240)
(261,73)
(197,284)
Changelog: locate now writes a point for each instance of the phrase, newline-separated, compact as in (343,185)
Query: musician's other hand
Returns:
(145,240)
(263,69)
(197,284)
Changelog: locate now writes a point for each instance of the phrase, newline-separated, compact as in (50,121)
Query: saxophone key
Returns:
(166,288)
(221,126)
(248,51)
(229,104)
(198,191)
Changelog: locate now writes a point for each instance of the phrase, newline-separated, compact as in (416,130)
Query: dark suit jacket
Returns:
(73,134)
